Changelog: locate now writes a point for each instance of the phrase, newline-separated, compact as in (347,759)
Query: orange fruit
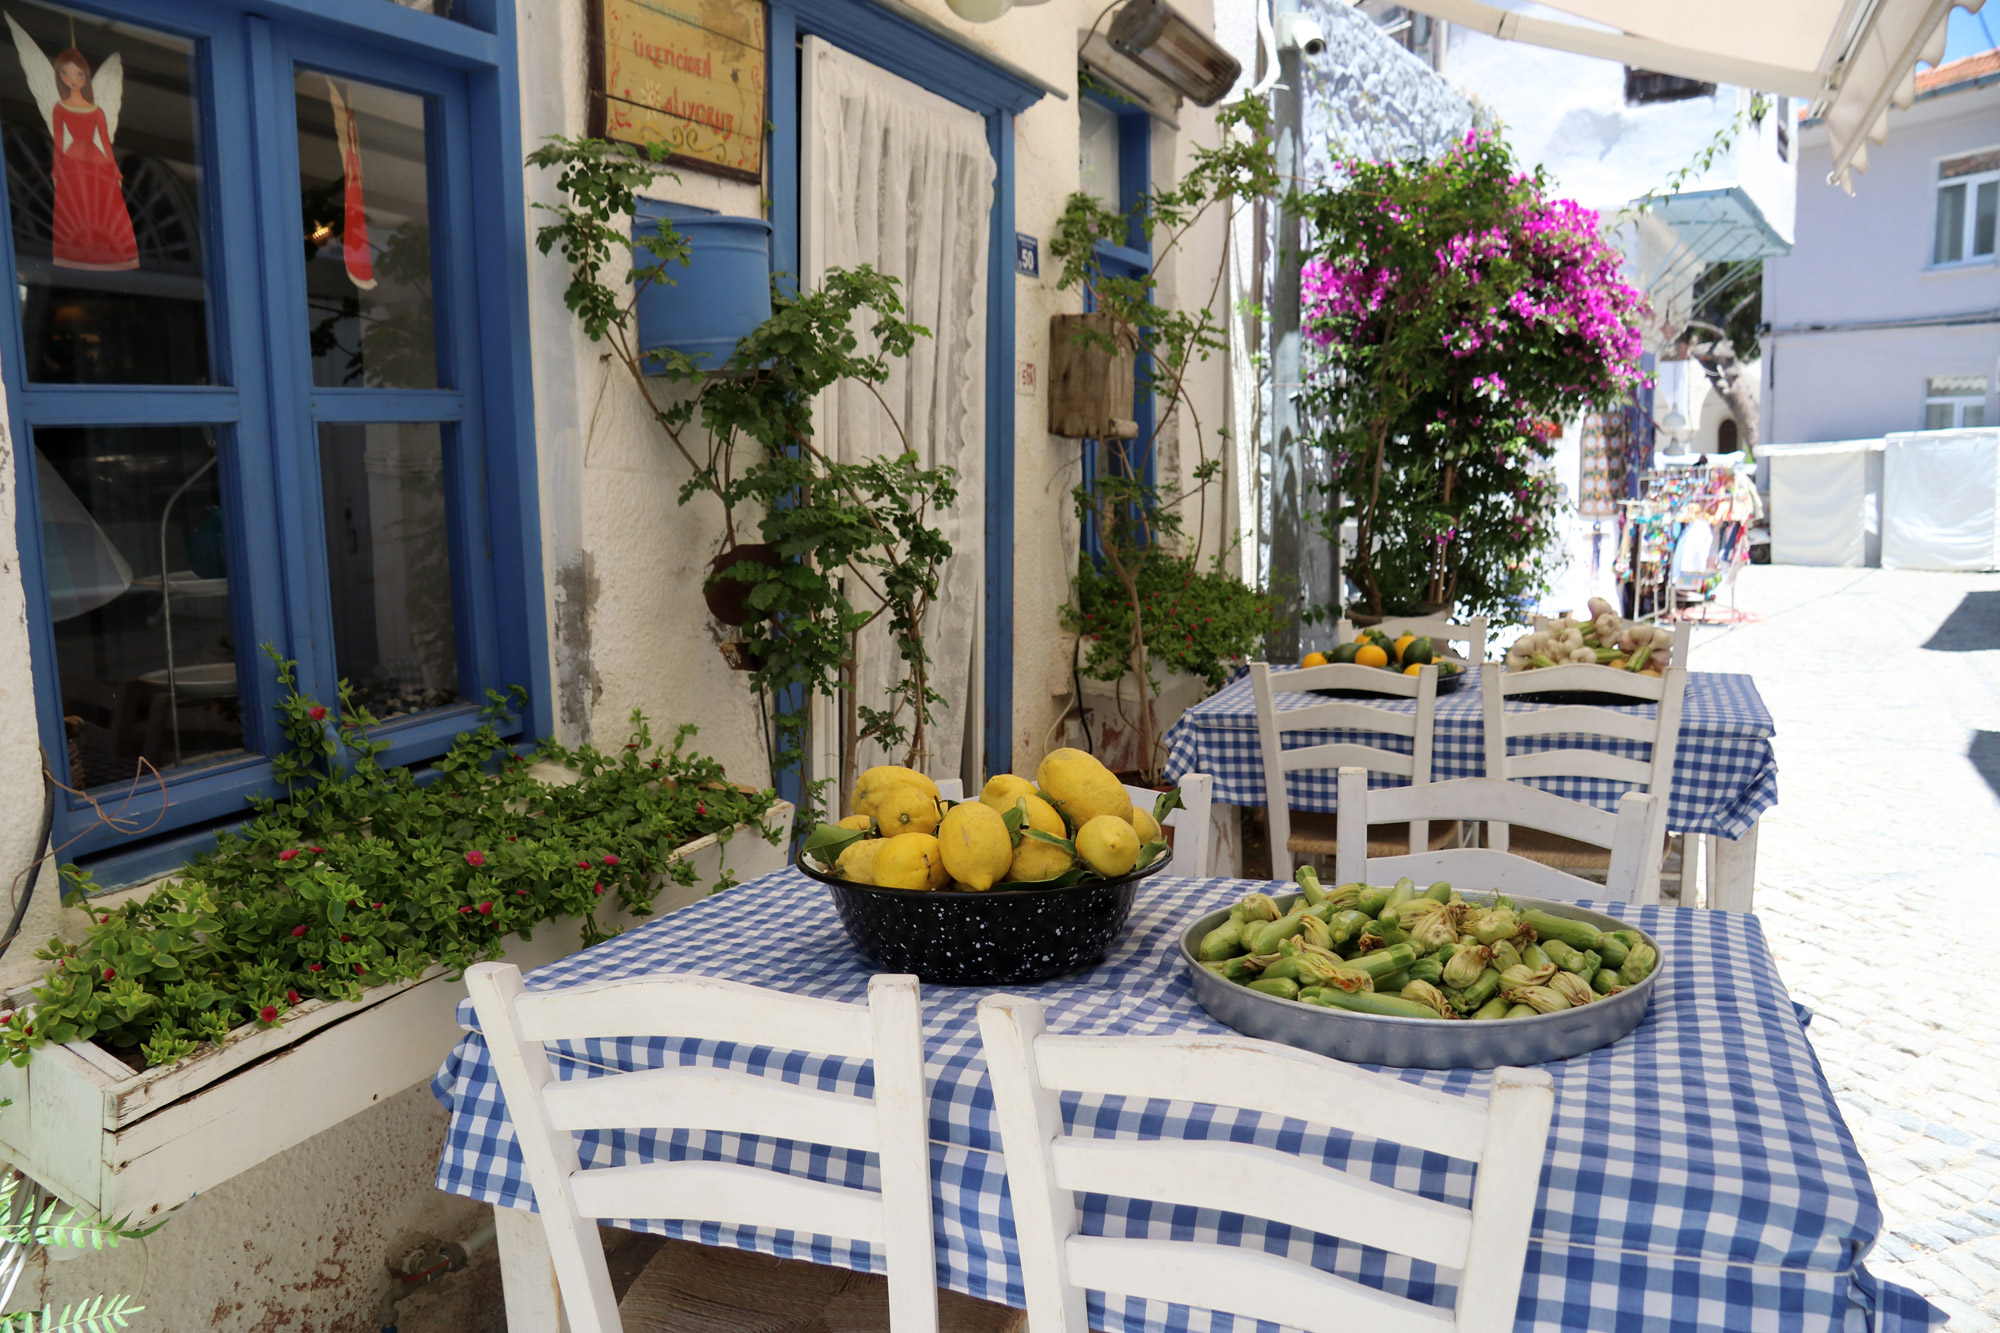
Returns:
(1414,669)
(1313,660)
(1371,655)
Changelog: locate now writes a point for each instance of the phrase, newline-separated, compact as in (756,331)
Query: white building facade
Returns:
(1885,317)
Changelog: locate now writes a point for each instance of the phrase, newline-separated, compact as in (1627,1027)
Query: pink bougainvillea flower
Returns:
(269,1013)
(288,853)
(475,858)
(298,930)
(317,713)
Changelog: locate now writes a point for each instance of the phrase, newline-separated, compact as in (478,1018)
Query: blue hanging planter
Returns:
(721,295)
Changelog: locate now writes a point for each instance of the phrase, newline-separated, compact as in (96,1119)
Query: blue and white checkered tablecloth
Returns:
(1698,1173)
(1725,774)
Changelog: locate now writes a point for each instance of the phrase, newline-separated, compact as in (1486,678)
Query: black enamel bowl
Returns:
(956,937)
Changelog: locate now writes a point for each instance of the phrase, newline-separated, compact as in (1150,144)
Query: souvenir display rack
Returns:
(1685,537)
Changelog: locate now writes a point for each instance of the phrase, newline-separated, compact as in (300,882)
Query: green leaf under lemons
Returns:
(828,841)
(1170,801)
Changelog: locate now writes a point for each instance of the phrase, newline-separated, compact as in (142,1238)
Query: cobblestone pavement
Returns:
(1878,883)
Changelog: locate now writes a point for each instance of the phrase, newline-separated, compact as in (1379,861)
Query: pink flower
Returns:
(486,909)
(611,858)
(598,887)
(110,973)
(268,1014)
(314,967)
(317,713)
(475,858)
(291,997)
(298,931)
(288,853)
(583,865)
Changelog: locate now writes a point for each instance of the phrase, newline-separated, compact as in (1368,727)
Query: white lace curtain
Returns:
(900,179)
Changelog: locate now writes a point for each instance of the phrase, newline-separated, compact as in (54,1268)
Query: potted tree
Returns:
(1460,312)
(1149,602)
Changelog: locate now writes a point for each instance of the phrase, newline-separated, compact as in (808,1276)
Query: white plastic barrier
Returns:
(1941,500)
(1822,508)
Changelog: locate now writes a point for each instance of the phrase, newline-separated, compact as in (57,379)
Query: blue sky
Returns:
(1969,34)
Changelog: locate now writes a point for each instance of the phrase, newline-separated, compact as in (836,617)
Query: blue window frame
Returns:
(1131,260)
(410,477)
(926,59)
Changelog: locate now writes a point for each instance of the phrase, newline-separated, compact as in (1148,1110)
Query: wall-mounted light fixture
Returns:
(1153,35)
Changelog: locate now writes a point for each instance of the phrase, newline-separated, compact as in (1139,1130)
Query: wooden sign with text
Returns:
(686,73)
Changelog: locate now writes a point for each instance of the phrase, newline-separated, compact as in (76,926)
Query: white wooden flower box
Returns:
(88,1127)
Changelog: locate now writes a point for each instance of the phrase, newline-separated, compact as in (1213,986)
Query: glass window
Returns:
(1098,163)
(364,193)
(388,555)
(1954,402)
(135,555)
(1968,207)
(99,122)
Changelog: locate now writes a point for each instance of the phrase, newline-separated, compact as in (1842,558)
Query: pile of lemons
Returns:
(1075,816)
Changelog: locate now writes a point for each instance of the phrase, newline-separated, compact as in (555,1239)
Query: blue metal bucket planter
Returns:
(721,295)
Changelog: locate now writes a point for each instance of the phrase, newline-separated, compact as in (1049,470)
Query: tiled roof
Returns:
(1959,71)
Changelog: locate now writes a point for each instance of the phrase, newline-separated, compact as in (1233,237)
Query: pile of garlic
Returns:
(1603,640)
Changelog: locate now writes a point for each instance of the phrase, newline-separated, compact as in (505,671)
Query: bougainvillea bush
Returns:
(365,875)
(1459,313)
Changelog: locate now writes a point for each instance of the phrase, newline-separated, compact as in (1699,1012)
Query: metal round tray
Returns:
(1420,1043)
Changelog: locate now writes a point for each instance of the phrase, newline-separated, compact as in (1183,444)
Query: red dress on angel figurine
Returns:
(93,228)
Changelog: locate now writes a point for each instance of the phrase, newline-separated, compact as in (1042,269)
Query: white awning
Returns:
(1849,60)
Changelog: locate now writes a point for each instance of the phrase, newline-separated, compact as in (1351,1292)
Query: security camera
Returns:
(1302,34)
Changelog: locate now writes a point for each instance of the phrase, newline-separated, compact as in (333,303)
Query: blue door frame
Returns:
(874,34)
(1130,260)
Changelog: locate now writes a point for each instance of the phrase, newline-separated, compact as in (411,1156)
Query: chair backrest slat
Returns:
(1574,676)
(1047,1168)
(546,1113)
(701,1008)
(1413,764)
(1248,1283)
(1262,1076)
(718,1099)
(1495,803)
(1578,762)
(731,1195)
(1287,1189)
(1581,720)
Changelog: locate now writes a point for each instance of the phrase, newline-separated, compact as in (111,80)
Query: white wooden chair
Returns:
(1505,1133)
(1189,823)
(1315,833)
(1438,629)
(893,1123)
(1653,775)
(1483,869)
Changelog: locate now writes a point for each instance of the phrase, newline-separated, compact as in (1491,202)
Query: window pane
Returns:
(1098,162)
(388,555)
(1950,246)
(107,232)
(1984,213)
(1973,415)
(1937,416)
(364,197)
(144,673)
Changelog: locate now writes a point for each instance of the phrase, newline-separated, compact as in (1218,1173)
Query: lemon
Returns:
(1404,642)
(906,809)
(1035,859)
(911,861)
(857,864)
(1145,826)
(1313,659)
(1081,788)
(1042,815)
(1414,669)
(1003,789)
(861,822)
(1369,655)
(977,850)
(1108,844)
(877,782)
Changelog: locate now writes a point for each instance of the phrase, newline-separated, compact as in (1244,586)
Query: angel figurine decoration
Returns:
(92,228)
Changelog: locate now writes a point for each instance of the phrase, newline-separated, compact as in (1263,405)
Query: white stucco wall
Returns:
(1866,258)
(301,1242)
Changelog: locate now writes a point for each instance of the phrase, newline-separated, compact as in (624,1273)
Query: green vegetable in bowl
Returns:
(1398,952)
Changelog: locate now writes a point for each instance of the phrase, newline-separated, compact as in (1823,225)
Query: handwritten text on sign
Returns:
(686,73)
